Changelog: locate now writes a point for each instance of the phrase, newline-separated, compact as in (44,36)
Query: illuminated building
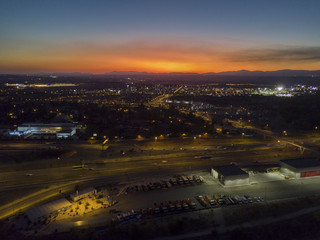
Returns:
(230,175)
(46,130)
(300,168)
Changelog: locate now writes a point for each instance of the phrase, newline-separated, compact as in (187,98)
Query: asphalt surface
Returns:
(148,158)
(274,190)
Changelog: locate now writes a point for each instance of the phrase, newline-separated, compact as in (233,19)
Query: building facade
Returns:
(230,175)
(46,130)
(301,167)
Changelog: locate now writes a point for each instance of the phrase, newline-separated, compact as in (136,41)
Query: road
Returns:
(183,159)
(159,99)
(275,136)
(158,158)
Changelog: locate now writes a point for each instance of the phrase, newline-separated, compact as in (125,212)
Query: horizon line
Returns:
(143,72)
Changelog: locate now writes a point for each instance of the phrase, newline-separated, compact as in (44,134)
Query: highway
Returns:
(159,158)
(267,133)
(146,161)
(159,99)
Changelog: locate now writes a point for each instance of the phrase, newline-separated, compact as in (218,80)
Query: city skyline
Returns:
(158,37)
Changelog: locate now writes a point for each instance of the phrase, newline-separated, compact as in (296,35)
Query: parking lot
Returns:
(185,199)
(180,197)
(168,208)
(265,187)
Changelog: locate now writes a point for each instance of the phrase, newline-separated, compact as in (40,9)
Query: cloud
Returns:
(289,54)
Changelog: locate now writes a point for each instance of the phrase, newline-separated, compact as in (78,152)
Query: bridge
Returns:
(268,133)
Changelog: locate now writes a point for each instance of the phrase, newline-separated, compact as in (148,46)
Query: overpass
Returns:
(268,133)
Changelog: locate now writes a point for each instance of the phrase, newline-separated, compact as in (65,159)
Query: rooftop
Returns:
(46,209)
(82,192)
(47,125)
(302,162)
(229,170)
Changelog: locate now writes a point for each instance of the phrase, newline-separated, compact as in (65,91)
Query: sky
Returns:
(100,36)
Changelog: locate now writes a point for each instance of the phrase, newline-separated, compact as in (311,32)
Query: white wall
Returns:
(214,173)
(288,172)
(235,182)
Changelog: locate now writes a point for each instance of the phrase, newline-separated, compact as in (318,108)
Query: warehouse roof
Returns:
(302,162)
(47,209)
(229,170)
(47,125)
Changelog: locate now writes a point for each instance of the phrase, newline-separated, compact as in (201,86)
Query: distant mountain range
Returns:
(241,73)
(279,73)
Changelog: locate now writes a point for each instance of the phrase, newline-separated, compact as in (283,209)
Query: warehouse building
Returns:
(45,130)
(230,175)
(82,194)
(301,167)
(257,167)
(45,210)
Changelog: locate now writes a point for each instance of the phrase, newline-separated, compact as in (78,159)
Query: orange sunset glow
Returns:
(148,58)
(157,38)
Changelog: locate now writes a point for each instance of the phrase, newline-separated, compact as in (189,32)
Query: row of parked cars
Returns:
(220,200)
(129,216)
(182,180)
(172,206)
(163,208)
(165,184)
(177,206)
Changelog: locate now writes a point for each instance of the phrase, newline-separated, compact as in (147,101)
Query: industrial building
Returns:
(82,194)
(230,175)
(301,167)
(45,130)
(257,167)
(45,210)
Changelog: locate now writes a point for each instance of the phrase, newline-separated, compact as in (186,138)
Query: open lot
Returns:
(270,191)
